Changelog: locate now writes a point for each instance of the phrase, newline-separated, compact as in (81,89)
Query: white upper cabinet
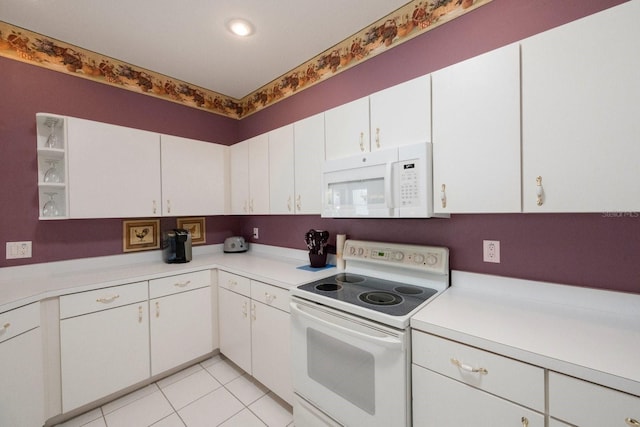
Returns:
(249,172)
(347,129)
(580,123)
(309,157)
(113,171)
(193,177)
(476,134)
(281,170)
(401,115)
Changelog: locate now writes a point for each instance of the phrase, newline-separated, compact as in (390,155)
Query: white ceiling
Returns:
(188,40)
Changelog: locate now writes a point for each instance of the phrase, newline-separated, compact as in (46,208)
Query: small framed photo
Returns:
(140,235)
(196,226)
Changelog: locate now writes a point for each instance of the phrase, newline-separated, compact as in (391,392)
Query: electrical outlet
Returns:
(18,250)
(491,251)
(255,233)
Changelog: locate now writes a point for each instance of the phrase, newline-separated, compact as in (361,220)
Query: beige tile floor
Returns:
(212,393)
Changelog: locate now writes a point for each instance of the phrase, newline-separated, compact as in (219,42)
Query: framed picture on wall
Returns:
(196,226)
(140,235)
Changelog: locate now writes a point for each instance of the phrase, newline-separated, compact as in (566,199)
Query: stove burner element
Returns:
(380,298)
(408,290)
(349,278)
(328,287)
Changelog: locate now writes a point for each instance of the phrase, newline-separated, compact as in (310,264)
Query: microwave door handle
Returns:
(388,342)
(388,193)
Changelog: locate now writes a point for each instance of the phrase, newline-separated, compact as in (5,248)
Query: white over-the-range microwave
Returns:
(391,183)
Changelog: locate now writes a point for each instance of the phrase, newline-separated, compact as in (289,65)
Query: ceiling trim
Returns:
(409,21)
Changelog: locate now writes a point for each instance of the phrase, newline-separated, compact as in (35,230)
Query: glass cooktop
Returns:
(386,296)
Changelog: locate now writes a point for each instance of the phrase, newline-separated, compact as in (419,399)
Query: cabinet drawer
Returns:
(590,405)
(18,321)
(179,283)
(235,283)
(102,299)
(499,375)
(270,295)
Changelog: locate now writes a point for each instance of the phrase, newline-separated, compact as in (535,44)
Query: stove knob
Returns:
(398,256)
(418,258)
(432,259)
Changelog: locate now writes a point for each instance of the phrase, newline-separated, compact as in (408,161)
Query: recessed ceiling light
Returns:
(240,27)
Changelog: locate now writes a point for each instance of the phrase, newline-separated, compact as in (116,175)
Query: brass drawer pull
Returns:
(468,368)
(182,284)
(632,422)
(107,300)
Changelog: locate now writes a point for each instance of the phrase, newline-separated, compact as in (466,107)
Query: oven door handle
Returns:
(387,342)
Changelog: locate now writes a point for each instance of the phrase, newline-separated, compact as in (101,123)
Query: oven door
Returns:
(355,371)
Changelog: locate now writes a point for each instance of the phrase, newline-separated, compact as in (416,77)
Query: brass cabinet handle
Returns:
(155,207)
(5,327)
(168,206)
(361,141)
(139,314)
(289,204)
(157,309)
(253,311)
(107,300)
(443,195)
(299,202)
(525,421)
(468,368)
(378,137)
(244,309)
(539,191)
(632,422)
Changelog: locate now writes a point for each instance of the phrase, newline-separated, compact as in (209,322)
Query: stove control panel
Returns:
(434,259)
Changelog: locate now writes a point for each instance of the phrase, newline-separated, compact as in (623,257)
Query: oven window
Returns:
(352,378)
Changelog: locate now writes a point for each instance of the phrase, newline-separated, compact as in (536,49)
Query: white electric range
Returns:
(350,334)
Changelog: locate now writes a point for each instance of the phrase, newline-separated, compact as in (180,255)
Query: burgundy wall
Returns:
(584,249)
(26,90)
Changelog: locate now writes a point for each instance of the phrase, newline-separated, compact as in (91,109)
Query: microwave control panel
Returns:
(408,183)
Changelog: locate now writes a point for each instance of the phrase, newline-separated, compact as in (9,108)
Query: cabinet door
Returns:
(441,401)
(21,371)
(114,171)
(271,349)
(281,167)
(235,328)
(102,353)
(239,177)
(580,124)
(181,328)
(401,115)
(259,174)
(309,158)
(193,177)
(347,129)
(476,134)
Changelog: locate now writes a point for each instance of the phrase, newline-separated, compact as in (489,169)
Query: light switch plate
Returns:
(491,251)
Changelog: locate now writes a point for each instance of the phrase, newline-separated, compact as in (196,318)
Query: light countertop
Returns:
(590,334)
(276,266)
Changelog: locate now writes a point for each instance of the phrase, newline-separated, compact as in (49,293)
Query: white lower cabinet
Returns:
(181,325)
(454,384)
(439,401)
(21,368)
(255,333)
(590,405)
(103,352)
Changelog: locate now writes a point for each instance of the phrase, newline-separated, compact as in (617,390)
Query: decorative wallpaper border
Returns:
(409,21)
